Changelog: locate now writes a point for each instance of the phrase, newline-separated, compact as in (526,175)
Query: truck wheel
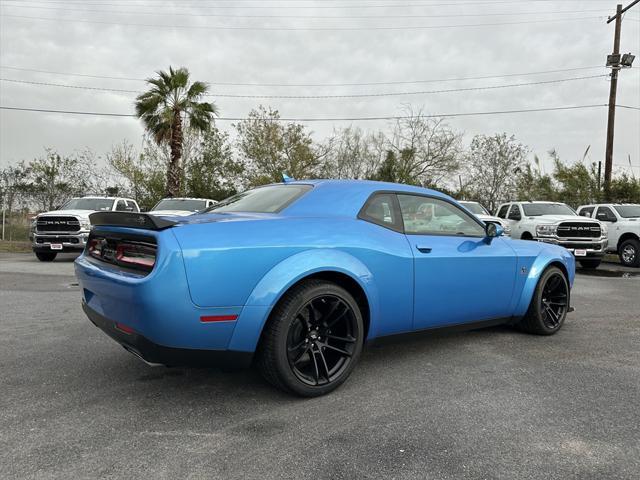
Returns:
(549,304)
(312,340)
(630,253)
(590,264)
(46,256)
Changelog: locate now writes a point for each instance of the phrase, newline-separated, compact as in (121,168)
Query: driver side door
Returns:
(460,276)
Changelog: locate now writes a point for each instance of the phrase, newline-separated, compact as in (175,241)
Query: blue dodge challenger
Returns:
(297,277)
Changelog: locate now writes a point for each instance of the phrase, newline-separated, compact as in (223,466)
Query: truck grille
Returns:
(57,239)
(58,224)
(579,230)
(583,246)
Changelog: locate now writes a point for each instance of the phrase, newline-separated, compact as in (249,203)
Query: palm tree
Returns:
(170,103)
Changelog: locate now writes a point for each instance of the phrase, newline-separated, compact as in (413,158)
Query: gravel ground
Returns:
(491,403)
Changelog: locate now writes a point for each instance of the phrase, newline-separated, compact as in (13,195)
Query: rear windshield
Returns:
(628,211)
(183,204)
(536,209)
(99,204)
(269,199)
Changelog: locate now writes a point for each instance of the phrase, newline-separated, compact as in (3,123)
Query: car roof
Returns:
(188,198)
(538,201)
(345,197)
(99,197)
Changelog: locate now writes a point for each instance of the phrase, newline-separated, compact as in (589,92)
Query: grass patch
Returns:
(7,246)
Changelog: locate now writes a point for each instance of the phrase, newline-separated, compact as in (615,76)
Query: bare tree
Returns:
(354,153)
(493,165)
(427,150)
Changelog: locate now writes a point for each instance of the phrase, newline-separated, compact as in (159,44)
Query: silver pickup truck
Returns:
(67,229)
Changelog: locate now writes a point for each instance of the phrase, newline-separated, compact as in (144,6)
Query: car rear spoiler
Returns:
(130,220)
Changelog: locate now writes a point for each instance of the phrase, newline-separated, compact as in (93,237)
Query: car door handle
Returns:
(423,249)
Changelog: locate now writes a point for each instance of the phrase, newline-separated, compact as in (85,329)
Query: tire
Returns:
(539,319)
(526,236)
(292,355)
(629,253)
(591,263)
(46,256)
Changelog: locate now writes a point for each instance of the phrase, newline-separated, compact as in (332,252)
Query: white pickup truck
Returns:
(483,214)
(624,228)
(181,206)
(67,229)
(557,223)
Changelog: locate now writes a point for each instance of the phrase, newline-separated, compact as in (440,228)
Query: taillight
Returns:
(136,255)
(94,247)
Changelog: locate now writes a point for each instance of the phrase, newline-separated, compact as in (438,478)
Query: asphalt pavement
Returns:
(491,403)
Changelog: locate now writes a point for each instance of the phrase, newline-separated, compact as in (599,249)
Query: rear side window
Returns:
(503,211)
(269,199)
(121,206)
(381,209)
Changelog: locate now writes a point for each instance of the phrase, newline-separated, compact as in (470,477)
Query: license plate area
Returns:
(580,253)
(56,246)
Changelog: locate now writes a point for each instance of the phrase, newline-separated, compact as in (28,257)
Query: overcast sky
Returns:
(132,39)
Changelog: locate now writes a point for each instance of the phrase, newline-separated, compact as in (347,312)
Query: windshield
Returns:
(628,211)
(269,199)
(182,204)
(475,207)
(537,209)
(88,204)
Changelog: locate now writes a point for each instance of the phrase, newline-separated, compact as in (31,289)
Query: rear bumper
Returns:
(155,354)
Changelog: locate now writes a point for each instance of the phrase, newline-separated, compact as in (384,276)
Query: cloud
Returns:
(249,56)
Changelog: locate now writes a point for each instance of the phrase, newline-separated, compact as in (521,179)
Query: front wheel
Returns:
(630,253)
(312,340)
(549,304)
(46,256)
(590,264)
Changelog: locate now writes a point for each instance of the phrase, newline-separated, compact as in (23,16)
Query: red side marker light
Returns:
(218,318)
(125,328)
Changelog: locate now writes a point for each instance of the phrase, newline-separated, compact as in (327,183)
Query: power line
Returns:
(219,15)
(452,2)
(223,27)
(234,5)
(627,106)
(317,97)
(339,119)
(354,84)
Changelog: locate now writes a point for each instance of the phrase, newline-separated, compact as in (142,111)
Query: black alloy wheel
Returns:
(549,305)
(554,301)
(321,340)
(312,340)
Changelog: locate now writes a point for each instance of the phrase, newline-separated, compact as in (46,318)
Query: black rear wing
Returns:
(130,220)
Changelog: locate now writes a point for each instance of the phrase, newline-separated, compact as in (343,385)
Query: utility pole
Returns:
(614,62)
(4,207)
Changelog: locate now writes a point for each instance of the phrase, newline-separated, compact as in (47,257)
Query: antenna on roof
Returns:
(286,178)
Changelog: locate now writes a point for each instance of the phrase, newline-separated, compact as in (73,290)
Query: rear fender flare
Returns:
(280,278)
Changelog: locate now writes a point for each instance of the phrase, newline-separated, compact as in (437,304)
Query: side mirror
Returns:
(493,230)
